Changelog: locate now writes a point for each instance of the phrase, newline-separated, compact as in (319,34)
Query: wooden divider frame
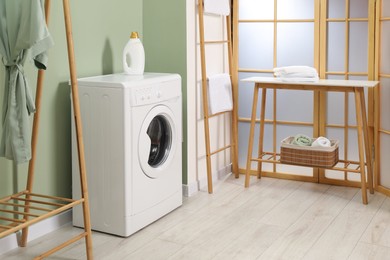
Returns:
(47,206)
(320,123)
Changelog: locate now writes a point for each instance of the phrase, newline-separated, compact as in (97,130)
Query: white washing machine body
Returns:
(132,128)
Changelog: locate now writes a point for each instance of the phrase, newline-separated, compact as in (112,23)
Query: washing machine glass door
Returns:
(157,141)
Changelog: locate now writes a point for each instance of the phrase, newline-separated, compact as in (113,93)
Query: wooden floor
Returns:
(273,219)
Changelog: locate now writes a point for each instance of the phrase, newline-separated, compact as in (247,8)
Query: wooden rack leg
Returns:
(367,143)
(234,121)
(251,134)
(205,97)
(359,122)
(78,124)
(261,135)
(34,138)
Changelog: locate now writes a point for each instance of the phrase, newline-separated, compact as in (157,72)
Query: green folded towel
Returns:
(302,140)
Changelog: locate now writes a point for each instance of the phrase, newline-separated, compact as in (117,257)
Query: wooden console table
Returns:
(324,85)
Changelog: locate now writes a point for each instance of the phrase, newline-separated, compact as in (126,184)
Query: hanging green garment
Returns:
(23,36)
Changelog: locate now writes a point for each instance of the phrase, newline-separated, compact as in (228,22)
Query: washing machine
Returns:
(132,130)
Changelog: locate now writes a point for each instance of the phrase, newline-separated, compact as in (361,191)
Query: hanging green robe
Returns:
(23,36)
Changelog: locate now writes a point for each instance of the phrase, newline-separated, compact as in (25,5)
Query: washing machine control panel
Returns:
(155,93)
(147,96)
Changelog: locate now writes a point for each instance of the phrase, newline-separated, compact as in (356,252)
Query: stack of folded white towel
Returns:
(297,73)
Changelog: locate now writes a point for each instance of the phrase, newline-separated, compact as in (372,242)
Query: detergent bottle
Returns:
(134,56)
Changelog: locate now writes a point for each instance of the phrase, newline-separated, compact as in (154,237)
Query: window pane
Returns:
(245,96)
(255,9)
(336,8)
(335,104)
(358,47)
(256,45)
(336,46)
(385,105)
(295,44)
(295,9)
(385,163)
(385,50)
(358,9)
(295,106)
(386,8)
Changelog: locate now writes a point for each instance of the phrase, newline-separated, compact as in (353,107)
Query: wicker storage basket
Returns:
(324,157)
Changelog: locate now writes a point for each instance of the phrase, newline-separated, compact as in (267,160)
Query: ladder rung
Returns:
(18,213)
(5,227)
(12,219)
(217,42)
(39,202)
(220,150)
(23,206)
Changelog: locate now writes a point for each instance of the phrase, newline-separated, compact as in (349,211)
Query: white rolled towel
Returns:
(321,142)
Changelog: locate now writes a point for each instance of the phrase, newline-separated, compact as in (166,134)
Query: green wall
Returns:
(100,30)
(164,39)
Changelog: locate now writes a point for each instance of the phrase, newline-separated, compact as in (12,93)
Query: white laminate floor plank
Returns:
(272,219)
(342,235)
(155,250)
(292,207)
(251,243)
(300,236)
(266,199)
(378,232)
(213,240)
(365,251)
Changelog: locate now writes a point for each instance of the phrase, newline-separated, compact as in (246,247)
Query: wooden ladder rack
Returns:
(37,207)
(207,116)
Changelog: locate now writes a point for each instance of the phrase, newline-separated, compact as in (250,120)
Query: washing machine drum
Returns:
(160,134)
(156,142)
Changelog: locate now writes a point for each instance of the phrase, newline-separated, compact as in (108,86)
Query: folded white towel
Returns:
(221,7)
(295,72)
(295,69)
(321,142)
(220,93)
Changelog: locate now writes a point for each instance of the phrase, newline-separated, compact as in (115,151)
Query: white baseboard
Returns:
(37,230)
(194,187)
(190,189)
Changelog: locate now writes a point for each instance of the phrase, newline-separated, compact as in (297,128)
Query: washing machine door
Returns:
(157,141)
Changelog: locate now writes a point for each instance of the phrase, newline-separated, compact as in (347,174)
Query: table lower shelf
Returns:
(23,209)
(342,165)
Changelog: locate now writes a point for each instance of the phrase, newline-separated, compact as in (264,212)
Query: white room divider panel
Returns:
(383,74)
(276,33)
(345,55)
(335,36)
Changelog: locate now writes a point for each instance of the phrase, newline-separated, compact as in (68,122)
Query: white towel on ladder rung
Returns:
(221,7)
(220,93)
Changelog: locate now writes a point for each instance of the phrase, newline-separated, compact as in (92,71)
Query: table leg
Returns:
(261,135)
(359,121)
(367,143)
(251,133)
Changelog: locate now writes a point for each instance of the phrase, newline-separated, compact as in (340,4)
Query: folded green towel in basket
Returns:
(302,140)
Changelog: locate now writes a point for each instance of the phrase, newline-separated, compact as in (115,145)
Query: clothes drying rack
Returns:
(26,207)
(207,116)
